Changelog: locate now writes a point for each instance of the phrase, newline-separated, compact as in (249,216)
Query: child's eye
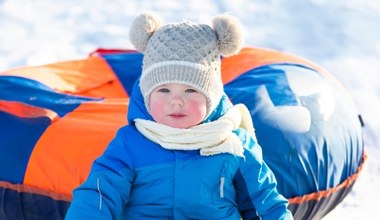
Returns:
(191,90)
(163,90)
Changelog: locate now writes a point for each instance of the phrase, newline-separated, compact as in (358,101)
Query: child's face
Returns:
(177,105)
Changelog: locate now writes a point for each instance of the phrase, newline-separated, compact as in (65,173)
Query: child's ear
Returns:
(143,28)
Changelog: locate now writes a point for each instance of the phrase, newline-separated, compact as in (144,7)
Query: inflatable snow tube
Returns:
(56,119)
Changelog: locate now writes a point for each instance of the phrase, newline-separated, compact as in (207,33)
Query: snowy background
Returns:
(341,35)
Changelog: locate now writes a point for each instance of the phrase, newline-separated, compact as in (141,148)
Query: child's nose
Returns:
(177,100)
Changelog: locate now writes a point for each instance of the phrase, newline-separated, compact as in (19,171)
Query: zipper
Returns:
(100,194)
(222,180)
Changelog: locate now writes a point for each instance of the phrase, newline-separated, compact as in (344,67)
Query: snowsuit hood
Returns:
(137,107)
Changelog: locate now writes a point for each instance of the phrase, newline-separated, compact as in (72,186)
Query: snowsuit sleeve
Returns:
(256,186)
(107,188)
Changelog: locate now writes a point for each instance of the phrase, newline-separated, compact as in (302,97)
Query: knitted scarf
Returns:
(211,138)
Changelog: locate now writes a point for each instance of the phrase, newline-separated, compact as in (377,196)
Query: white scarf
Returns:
(211,138)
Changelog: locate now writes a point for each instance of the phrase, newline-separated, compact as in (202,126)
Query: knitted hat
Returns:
(185,53)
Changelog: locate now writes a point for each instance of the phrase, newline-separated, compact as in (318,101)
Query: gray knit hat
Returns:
(185,53)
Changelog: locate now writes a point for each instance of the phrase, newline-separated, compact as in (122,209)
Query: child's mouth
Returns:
(177,115)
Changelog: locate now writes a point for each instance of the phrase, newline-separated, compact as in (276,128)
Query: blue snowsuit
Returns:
(138,179)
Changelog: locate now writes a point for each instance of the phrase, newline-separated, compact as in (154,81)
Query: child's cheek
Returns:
(197,107)
(156,109)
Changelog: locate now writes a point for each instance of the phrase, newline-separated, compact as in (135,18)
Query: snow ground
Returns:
(339,35)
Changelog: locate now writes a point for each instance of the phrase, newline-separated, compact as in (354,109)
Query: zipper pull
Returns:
(100,194)
(221,187)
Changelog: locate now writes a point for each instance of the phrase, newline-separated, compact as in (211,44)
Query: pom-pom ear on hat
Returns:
(143,28)
(229,34)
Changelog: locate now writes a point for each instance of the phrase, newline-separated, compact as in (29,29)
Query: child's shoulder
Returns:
(128,130)
(248,140)
(129,137)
